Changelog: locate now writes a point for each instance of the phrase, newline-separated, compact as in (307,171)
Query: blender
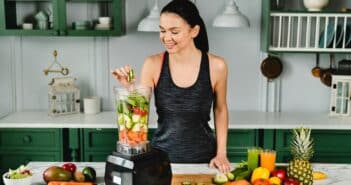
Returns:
(134,162)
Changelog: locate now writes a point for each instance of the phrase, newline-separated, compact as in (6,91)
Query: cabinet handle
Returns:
(27,139)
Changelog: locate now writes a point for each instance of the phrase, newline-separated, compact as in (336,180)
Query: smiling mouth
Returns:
(169,46)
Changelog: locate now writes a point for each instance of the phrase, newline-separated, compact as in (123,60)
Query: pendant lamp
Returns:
(151,23)
(231,17)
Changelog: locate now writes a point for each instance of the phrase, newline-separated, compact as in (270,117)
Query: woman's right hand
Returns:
(121,75)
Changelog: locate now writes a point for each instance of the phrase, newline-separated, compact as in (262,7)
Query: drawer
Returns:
(99,139)
(31,139)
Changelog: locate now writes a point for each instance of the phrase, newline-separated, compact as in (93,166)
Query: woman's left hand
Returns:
(221,162)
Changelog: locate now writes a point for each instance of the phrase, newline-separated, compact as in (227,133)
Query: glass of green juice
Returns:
(252,157)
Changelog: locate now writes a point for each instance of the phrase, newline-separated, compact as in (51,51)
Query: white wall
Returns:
(91,59)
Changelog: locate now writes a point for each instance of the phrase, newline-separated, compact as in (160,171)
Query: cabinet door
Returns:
(238,142)
(31,139)
(329,145)
(81,17)
(102,141)
(39,13)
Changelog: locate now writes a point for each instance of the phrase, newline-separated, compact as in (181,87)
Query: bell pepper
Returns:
(260,173)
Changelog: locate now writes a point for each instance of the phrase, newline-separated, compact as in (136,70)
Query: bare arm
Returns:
(219,74)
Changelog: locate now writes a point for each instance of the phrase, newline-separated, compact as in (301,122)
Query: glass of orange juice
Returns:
(267,158)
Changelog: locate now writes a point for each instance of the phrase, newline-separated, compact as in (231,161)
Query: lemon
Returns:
(317,175)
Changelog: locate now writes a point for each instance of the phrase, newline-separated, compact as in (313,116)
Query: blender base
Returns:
(149,168)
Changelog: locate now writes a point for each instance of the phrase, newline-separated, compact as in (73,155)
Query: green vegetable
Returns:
(230,176)
(186,183)
(220,178)
(243,175)
(131,75)
(89,174)
(19,173)
(200,183)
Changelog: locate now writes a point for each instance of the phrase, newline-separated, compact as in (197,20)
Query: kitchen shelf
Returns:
(305,32)
(295,30)
(61,15)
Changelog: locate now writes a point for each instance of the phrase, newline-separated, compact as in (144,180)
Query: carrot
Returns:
(143,136)
(69,183)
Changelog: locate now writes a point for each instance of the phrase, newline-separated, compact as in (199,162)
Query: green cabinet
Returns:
(238,141)
(331,146)
(19,146)
(98,143)
(61,17)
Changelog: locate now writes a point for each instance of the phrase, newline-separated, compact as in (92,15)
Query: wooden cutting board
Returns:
(177,179)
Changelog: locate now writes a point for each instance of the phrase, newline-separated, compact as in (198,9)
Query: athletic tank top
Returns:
(183,114)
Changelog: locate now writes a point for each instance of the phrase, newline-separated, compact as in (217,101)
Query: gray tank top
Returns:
(183,114)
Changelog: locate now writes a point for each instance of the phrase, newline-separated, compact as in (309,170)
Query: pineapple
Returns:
(302,151)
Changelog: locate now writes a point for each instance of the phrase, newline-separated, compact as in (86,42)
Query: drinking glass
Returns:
(267,158)
(252,157)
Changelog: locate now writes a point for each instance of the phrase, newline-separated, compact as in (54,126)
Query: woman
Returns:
(186,81)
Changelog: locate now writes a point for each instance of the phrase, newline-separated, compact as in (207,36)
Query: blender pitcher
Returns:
(132,108)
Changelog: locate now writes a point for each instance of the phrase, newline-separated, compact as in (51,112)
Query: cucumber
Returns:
(230,176)
(220,178)
(136,118)
(243,175)
(143,119)
(186,183)
(137,127)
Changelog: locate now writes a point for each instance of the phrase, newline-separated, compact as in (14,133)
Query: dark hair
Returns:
(188,11)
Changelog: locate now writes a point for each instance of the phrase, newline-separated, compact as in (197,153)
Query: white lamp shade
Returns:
(151,23)
(231,17)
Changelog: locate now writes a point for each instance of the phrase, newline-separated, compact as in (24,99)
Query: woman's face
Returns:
(175,33)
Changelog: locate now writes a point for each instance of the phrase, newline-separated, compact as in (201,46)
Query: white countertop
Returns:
(338,174)
(237,120)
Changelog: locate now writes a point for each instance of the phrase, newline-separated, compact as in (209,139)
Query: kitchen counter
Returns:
(237,120)
(338,174)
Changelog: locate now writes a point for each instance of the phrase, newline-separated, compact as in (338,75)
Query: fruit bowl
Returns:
(23,181)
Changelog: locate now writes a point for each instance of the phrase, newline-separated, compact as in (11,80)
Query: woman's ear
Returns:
(195,31)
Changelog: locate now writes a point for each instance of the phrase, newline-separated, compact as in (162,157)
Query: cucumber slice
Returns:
(230,176)
(137,127)
(121,127)
(120,119)
(136,118)
(220,178)
(143,119)
(129,125)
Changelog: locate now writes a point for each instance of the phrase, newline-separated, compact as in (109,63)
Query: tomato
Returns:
(143,112)
(279,173)
(139,111)
(261,182)
(69,167)
(136,110)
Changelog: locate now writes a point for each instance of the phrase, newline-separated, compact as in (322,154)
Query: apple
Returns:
(280,173)
(291,181)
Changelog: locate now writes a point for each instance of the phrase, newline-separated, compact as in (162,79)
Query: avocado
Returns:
(89,174)
(56,173)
